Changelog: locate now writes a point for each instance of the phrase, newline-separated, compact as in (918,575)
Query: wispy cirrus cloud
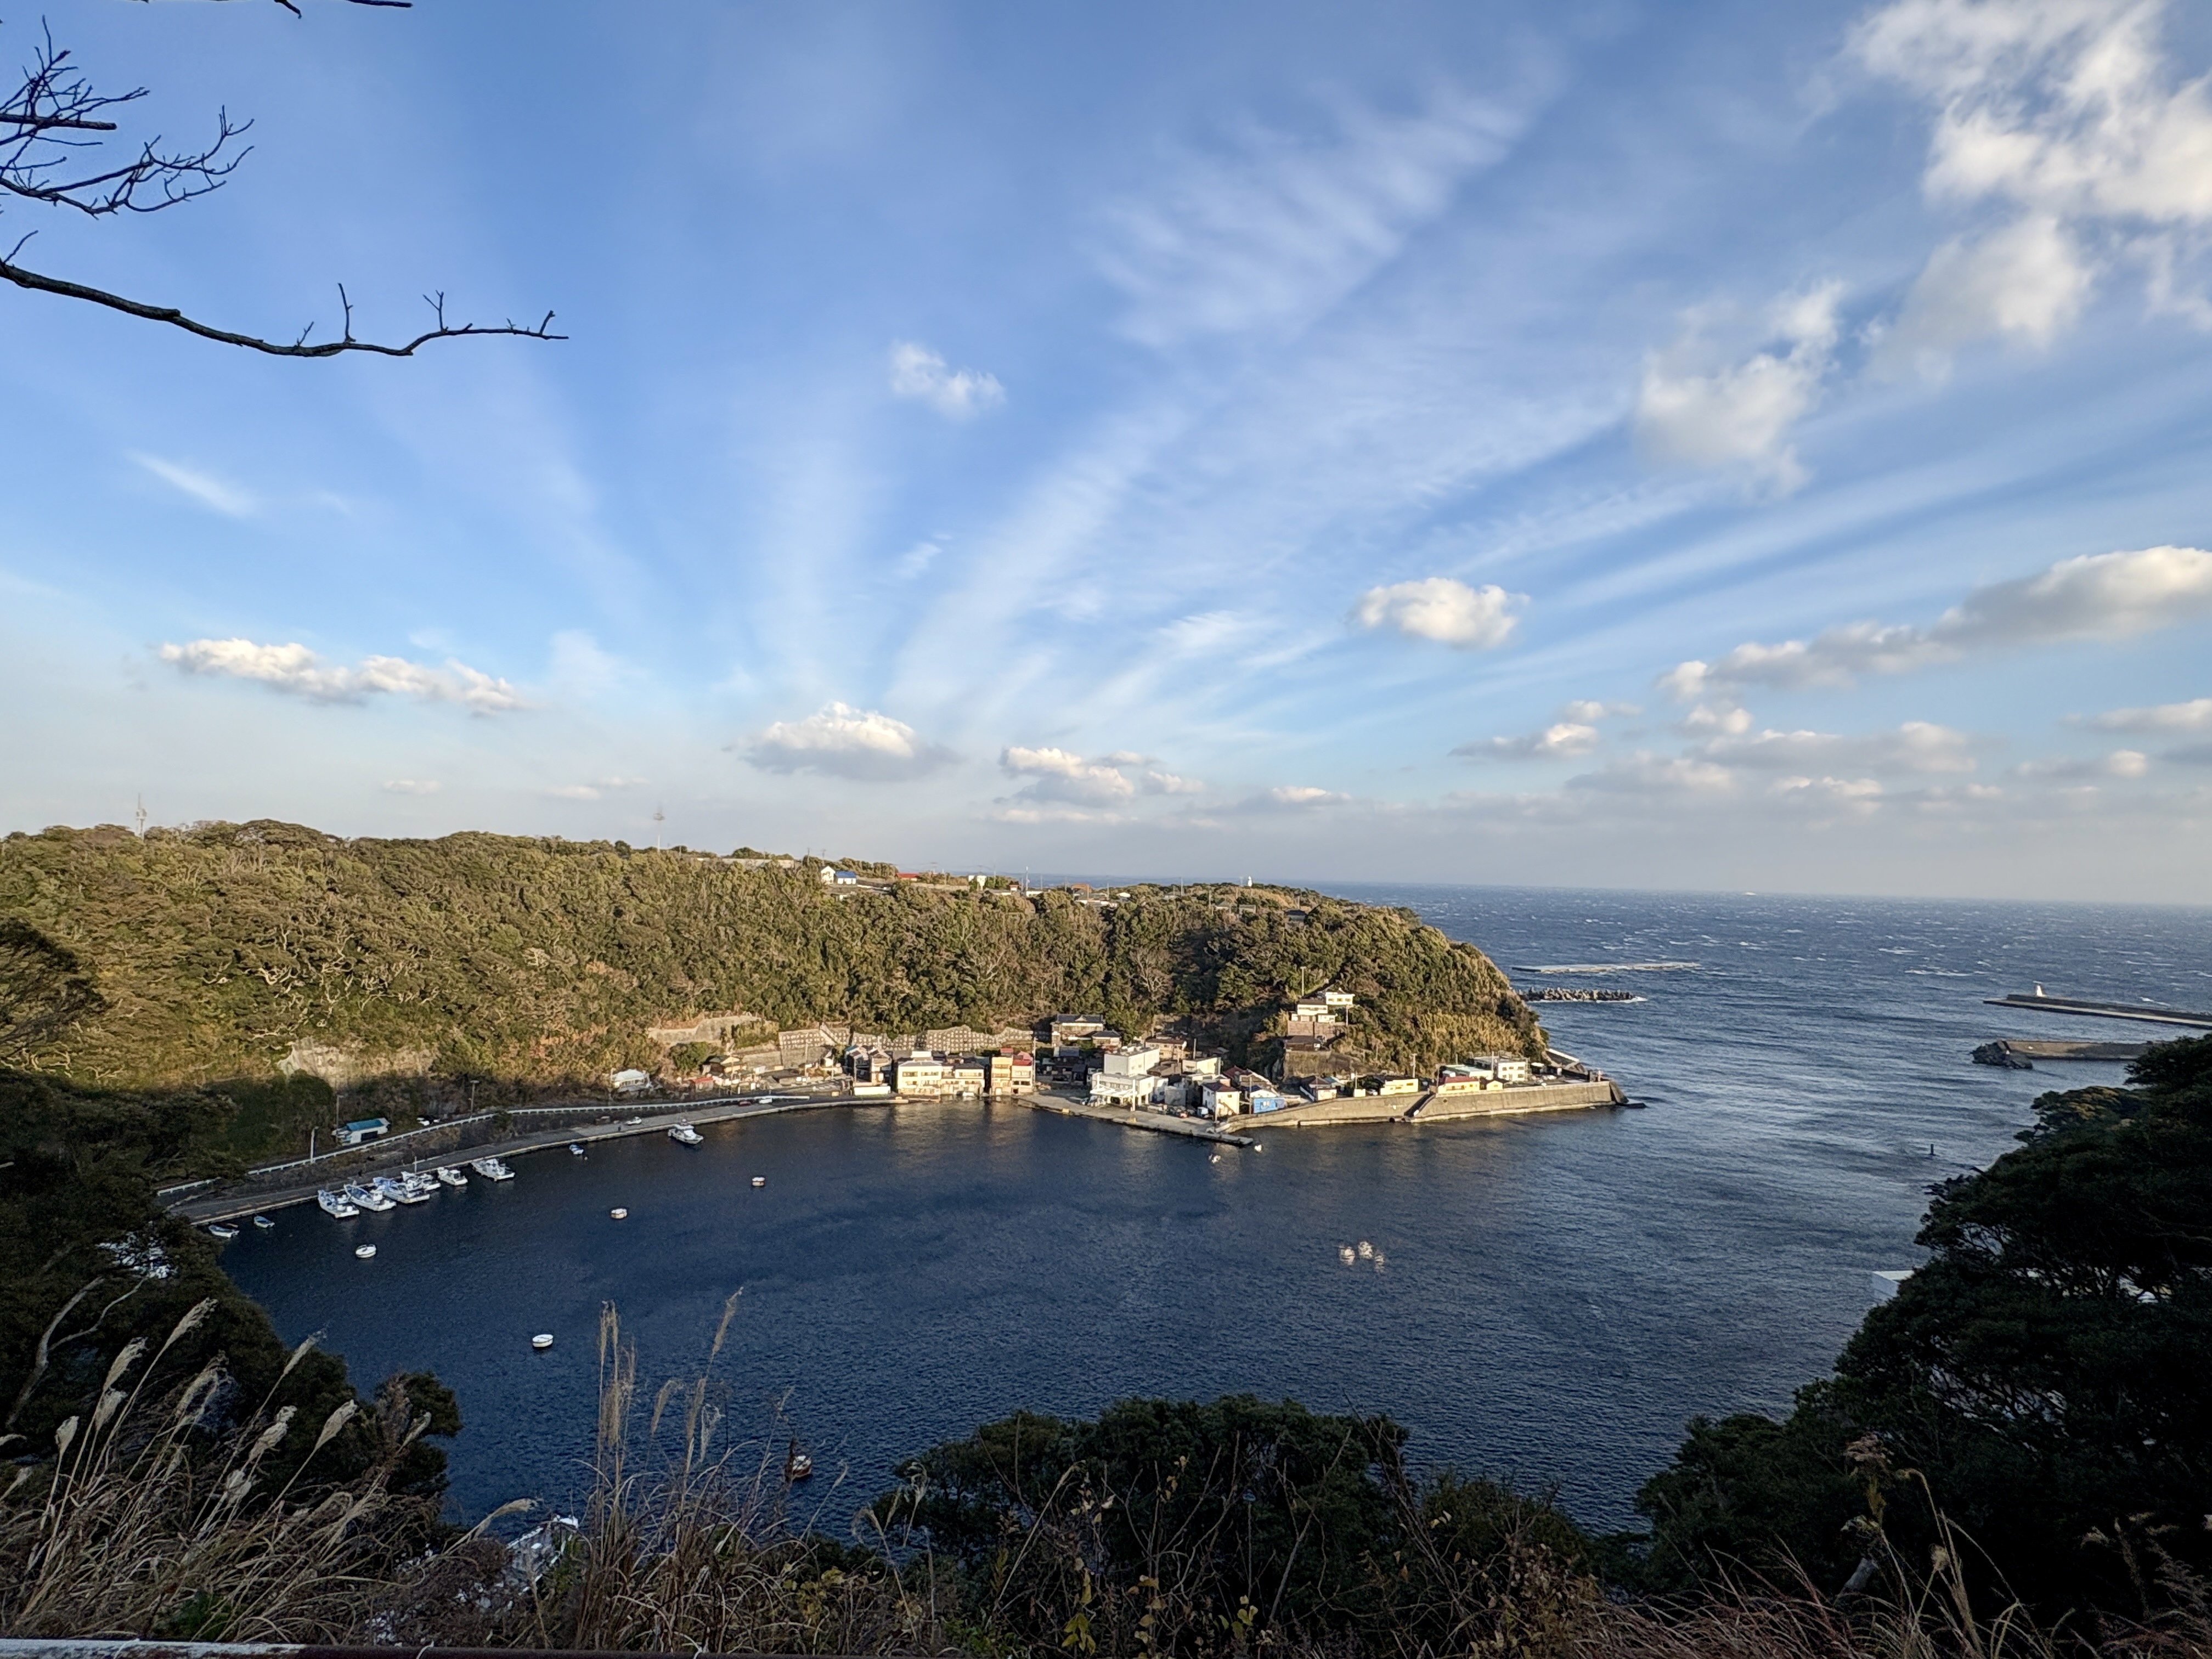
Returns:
(296,671)
(411,786)
(217,494)
(841,741)
(1269,230)
(2107,596)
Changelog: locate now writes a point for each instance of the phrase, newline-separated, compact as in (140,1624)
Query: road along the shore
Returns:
(258,1198)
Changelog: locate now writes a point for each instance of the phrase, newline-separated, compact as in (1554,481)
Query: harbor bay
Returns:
(1559,1293)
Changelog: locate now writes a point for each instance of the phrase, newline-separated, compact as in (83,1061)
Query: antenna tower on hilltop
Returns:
(142,818)
(660,817)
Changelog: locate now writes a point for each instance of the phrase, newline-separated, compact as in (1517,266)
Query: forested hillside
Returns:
(203,956)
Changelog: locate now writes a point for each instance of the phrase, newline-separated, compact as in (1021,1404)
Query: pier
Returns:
(2021,1054)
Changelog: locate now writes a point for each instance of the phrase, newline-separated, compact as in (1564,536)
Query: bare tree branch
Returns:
(21,278)
(40,125)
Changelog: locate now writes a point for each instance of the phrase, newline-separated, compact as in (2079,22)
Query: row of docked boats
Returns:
(387,1192)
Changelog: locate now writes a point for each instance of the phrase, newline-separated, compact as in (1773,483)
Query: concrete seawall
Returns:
(1512,1101)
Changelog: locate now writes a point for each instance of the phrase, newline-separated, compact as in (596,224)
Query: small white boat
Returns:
(452,1177)
(334,1205)
(1216,1158)
(264,1223)
(1366,1251)
(575,1149)
(1381,1261)
(358,1194)
(759,1180)
(406,1191)
(364,1251)
(541,1341)
(619,1213)
(1346,1255)
(220,1230)
(684,1134)
(491,1169)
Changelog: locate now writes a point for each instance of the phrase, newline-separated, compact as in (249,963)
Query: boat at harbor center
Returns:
(334,1205)
(364,1198)
(364,1251)
(685,1134)
(541,1341)
(759,1180)
(406,1189)
(619,1213)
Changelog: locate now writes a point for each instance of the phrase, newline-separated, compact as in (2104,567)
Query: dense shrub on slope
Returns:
(211,951)
(2049,1371)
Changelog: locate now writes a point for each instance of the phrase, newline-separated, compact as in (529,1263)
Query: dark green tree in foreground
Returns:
(2048,1372)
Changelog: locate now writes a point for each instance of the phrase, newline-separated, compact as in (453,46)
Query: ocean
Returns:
(1552,1298)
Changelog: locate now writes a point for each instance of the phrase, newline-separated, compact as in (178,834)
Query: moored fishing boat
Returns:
(364,1198)
(685,1134)
(220,1230)
(452,1178)
(491,1169)
(264,1223)
(333,1204)
(364,1251)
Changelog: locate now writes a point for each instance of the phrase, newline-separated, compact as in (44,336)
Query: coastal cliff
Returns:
(511,967)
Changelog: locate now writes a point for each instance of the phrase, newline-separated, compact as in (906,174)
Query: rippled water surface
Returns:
(1560,1293)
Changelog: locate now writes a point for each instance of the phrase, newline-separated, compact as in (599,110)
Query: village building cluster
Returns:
(1075,1053)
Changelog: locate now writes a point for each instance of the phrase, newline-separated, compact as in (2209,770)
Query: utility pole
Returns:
(660,817)
(142,818)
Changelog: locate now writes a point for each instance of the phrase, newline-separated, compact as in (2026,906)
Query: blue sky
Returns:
(1705,446)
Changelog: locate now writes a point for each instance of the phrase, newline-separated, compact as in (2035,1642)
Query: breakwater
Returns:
(1574,994)
(2021,1054)
(2145,1013)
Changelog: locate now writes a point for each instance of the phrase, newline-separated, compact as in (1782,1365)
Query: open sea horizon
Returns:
(1557,1295)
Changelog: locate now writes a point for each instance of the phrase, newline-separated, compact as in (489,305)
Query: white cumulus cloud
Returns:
(1057,775)
(2069,112)
(1560,742)
(1437,608)
(2195,715)
(1915,746)
(2103,596)
(297,671)
(1646,774)
(919,373)
(1691,411)
(2120,763)
(2027,281)
(410,787)
(1586,710)
(841,741)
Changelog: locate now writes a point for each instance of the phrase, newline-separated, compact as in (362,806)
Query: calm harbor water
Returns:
(1560,1294)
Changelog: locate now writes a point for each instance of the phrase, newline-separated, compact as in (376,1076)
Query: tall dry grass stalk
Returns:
(703,1553)
(147,1523)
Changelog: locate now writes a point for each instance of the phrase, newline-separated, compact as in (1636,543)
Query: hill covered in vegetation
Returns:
(202,957)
